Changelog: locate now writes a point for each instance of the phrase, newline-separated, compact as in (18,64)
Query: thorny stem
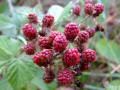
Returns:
(84,19)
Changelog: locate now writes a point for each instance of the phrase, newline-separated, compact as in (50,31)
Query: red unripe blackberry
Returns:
(98,9)
(48,76)
(60,43)
(29,31)
(71,57)
(48,20)
(85,66)
(44,42)
(83,36)
(29,49)
(89,8)
(71,30)
(43,58)
(76,10)
(65,77)
(33,18)
(91,32)
(88,55)
(53,34)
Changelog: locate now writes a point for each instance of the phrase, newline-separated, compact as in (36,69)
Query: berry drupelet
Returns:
(65,77)
(43,58)
(89,55)
(60,43)
(48,20)
(71,30)
(29,31)
(29,49)
(71,57)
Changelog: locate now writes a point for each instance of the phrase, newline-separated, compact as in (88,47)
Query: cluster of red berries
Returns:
(46,46)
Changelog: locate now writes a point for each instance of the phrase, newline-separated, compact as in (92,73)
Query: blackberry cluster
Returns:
(47,46)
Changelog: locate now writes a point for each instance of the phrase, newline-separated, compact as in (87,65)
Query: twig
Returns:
(101,74)
(90,87)
(115,69)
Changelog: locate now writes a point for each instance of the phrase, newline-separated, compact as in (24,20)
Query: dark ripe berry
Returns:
(83,36)
(91,32)
(48,20)
(71,57)
(53,34)
(77,71)
(29,49)
(85,66)
(43,58)
(71,30)
(89,8)
(42,33)
(76,10)
(98,9)
(60,43)
(88,55)
(48,76)
(65,77)
(29,31)
(79,84)
(44,42)
(32,17)
(99,28)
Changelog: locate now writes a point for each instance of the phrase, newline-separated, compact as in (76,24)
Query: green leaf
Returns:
(4,54)
(3,6)
(4,85)
(109,49)
(65,14)
(7,26)
(114,85)
(9,46)
(20,72)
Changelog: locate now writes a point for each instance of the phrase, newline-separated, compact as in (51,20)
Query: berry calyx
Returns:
(29,31)
(71,57)
(48,20)
(89,55)
(76,10)
(71,30)
(60,43)
(65,77)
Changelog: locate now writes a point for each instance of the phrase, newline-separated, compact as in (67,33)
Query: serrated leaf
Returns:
(4,85)
(20,72)
(109,49)
(114,85)
(7,26)
(9,45)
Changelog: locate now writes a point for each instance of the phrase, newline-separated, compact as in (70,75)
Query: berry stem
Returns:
(10,6)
